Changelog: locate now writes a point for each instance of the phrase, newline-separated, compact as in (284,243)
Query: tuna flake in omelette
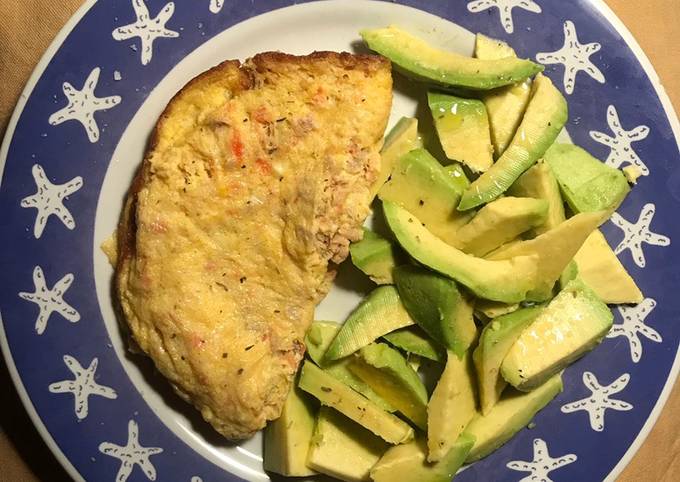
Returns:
(256,179)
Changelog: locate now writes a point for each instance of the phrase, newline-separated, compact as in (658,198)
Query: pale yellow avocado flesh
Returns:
(333,393)
(401,139)
(451,406)
(342,449)
(286,439)
(554,248)
(602,271)
(510,415)
(500,221)
(407,462)
(573,323)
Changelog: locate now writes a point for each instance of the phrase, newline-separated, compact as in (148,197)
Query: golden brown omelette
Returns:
(256,178)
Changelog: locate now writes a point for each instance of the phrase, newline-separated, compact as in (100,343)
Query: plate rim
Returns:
(599,5)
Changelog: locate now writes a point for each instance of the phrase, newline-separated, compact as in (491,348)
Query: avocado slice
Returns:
(540,183)
(451,407)
(463,129)
(437,306)
(573,323)
(487,48)
(317,340)
(493,309)
(402,138)
(333,393)
(413,340)
(511,414)
(495,342)
(602,271)
(343,449)
(505,105)
(632,173)
(422,61)
(420,185)
(507,280)
(554,248)
(379,313)
(286,439)
(500,221)
(587,184)
(570,272)
(388,373)
(456,172)
(376,257)
(543,120)
(407,462)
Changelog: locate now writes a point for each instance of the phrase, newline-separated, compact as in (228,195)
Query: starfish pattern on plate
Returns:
(83,103)
(131,454)
(49,200)
(633,325)
(634,234)
(575,57)
(620,145)
(50,301)
(82,386)
(542,463)
(146,28)
(216,5)
(599,400)
(504,9)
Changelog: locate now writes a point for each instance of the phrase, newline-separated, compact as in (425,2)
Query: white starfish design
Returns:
(196,478)
(633,326)
(599,400)
(50,301)
(83,103)
(542,464)
(49,200)
(504,9)
(131,454)
(82,386)
(216,5)
(575,57)
(146,28)
(621,149)
(638,233)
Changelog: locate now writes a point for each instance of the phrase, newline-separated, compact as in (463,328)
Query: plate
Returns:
(79,132)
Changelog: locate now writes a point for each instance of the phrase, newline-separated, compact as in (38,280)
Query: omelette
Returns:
(256,179)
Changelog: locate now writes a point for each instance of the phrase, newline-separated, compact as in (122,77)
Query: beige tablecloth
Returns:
(26,29)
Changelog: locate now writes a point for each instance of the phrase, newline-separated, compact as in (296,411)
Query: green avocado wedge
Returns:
(496,339)
(415,341)
(376,257)
(317,340)
(421,185)
(408,462)
(572,324)
(587,183)
(437,306)
(543,120)
(508,280)
(388,373)
(505,105)
(401,139)
(335,394)
(511,414)
(539,182)
(554,248)
(425,62)
(500,221)
(378,314)
(463,129)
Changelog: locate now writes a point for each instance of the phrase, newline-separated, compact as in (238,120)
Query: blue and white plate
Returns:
(79,132)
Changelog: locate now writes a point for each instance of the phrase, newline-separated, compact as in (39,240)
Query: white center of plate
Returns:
(301,29)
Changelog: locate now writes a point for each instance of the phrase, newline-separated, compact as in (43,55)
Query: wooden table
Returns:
(23,455)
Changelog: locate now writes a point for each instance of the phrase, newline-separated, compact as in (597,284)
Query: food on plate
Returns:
(256,179)
(497,287)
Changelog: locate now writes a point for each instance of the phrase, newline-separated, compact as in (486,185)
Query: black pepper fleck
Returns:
(326,389)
